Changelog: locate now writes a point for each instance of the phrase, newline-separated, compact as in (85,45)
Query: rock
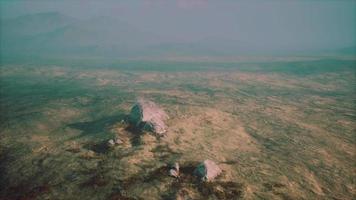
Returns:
(146,115)
(174,170)
(174,173)
(207,170)
(118,141)
(111,143)
(176,166)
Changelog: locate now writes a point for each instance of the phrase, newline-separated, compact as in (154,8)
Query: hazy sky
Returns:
(290,23)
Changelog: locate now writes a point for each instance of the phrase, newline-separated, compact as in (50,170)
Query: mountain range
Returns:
(55,34)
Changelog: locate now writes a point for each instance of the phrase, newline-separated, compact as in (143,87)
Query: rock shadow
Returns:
(93,128)
(135,135)
(100,147)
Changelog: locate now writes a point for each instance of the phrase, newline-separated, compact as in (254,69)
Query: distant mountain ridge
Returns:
(54,34)
(33,24)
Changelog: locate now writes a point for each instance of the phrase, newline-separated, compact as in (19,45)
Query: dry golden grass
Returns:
(276,135)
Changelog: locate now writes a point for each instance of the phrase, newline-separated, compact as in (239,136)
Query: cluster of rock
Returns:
(114,142)
(146,115)
(206,171)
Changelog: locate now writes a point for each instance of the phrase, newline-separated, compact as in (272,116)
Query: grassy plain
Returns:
(278,129)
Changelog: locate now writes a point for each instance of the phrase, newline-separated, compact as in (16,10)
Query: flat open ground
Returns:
(279,130)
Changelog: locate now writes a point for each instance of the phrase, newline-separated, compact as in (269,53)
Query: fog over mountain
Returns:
(54,33)
(183,28)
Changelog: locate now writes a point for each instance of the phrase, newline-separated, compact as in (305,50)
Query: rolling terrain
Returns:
(278,129)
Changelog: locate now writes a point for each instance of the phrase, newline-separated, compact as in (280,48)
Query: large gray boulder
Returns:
(207,170)
(146,115)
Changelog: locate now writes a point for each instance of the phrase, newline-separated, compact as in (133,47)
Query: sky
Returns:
(298,24)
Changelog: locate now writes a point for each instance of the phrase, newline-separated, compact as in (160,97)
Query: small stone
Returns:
(174,170)
(174,173)
(111,143)
(118,141)
(176,166)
